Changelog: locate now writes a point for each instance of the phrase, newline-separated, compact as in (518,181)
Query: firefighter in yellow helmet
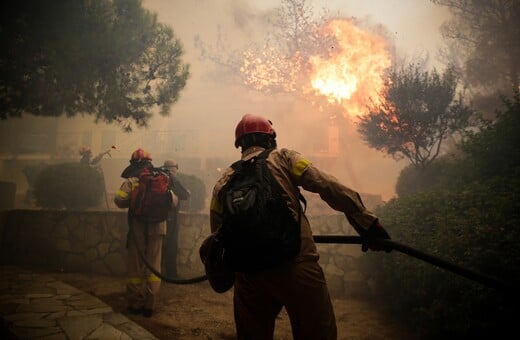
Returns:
(142,286)
(298,285)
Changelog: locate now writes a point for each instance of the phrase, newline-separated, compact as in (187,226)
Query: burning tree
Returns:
(329,61)
(419,111)
(345,69)
(353,71)
(278,64)
(322,59)
(339,68)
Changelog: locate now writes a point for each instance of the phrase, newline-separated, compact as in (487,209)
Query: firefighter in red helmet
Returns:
(142,286)
(299,285)
(252,125)
(86,156)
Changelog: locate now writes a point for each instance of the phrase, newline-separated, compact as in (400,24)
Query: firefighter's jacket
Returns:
(122,200)
(292,171)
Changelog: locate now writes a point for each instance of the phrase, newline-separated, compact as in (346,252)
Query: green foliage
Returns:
(442,173)
(196,186)
(110,59)
(471,221)
(68,186)
(477,229)
(492,152)
(495,151)
(418,113)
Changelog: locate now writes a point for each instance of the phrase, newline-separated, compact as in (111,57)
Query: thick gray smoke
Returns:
(212,104)
(199,131)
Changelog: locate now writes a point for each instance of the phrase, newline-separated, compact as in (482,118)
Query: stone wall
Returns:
(65,240)
(96,242)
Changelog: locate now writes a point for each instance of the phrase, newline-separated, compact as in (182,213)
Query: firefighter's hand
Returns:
(373,234)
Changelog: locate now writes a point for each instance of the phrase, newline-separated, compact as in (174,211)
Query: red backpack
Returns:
(151,199)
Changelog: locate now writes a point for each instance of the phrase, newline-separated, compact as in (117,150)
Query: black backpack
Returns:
(259,231)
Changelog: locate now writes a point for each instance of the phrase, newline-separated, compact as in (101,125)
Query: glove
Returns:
(375,232)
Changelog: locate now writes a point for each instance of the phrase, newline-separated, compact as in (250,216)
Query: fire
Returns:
(348,74)
(271,71)
(352,74)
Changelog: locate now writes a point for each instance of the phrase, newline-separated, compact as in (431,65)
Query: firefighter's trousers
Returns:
(142,285)
(299,287)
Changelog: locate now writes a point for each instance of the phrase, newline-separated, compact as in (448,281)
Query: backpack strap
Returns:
(304,201)
(236,166)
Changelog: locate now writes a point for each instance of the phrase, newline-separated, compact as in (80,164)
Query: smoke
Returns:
(199,132)
(212,103)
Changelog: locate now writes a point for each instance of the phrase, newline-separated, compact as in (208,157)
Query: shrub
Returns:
(495,151)
(476,228)
(467,212)
(444,172)
(68,186)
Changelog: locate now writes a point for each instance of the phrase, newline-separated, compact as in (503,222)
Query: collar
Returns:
(252,152)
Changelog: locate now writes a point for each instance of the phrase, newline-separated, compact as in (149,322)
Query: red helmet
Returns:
(140,155)
(253,124)
(85,150)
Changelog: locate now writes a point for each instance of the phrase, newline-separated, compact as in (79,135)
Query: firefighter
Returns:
(142,286)
(86,156)
(170,246)
(299,286)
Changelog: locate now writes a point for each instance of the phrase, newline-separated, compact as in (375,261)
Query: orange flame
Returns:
(349,75)
(352,74)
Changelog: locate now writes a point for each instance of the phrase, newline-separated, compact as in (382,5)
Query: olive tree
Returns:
(420,110)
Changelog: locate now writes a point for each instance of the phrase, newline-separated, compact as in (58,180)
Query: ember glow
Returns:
(271,71)
(349,73)
(353,72)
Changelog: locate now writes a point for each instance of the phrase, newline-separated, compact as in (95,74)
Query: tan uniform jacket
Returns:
(292,171)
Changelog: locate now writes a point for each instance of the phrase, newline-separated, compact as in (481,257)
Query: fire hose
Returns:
(344,239)
(157,273)
(433,260)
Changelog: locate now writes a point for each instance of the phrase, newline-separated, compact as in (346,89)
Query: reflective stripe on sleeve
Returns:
(134,280)
(122,194)
(215,205)
(153,278)
(134,183)
(300,166)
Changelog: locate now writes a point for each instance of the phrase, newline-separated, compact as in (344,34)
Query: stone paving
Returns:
(37,306)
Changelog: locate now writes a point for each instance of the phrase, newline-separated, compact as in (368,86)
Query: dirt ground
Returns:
(195,311)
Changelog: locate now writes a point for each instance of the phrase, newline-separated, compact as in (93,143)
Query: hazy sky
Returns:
(214,107)
(415,23)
